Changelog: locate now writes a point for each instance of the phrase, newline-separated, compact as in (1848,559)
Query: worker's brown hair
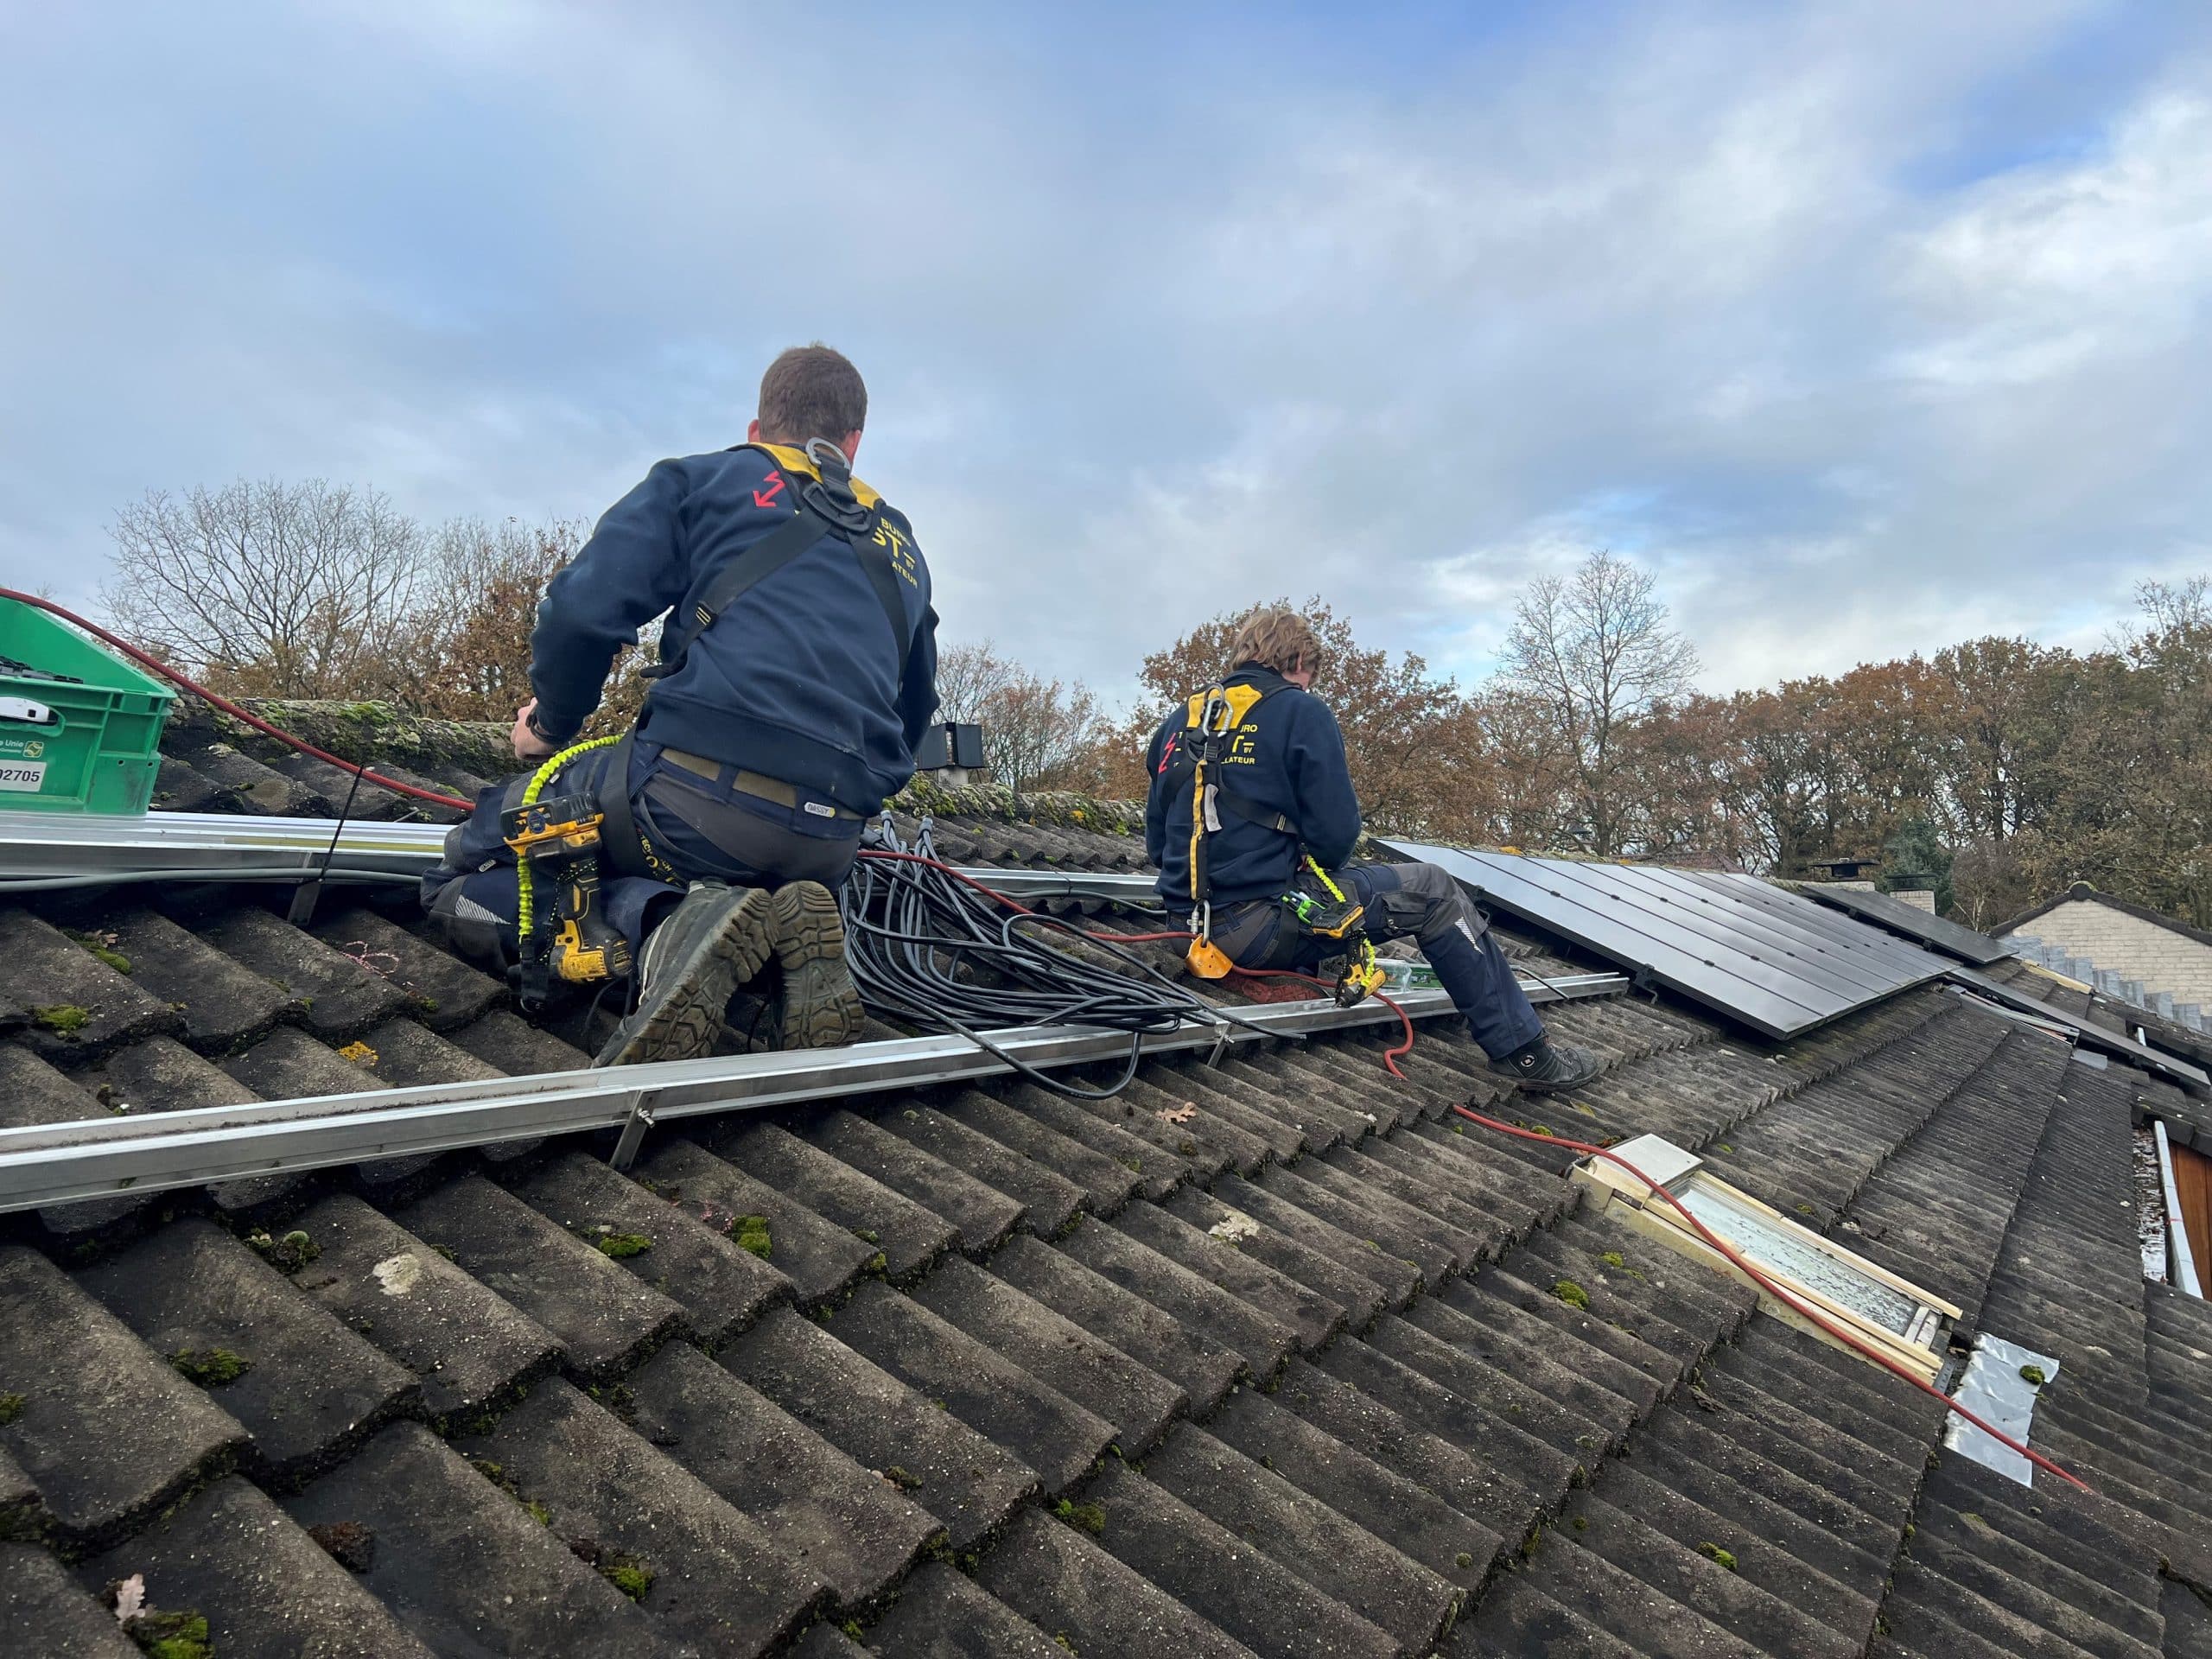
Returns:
(811,391)
(1276,638)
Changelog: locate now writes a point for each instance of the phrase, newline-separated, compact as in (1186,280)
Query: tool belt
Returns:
(759,786)
(1320,910)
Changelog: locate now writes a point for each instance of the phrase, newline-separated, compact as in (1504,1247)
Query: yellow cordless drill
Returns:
(557,843)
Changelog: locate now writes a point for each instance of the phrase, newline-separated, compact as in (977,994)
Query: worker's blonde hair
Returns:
(1276,638)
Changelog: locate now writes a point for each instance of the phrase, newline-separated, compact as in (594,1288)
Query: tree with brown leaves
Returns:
(1415,745)
(1038,734)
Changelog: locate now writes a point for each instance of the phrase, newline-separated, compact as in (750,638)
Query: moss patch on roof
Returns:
(1068,810)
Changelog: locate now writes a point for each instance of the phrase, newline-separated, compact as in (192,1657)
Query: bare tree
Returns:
(1038,734)
(1594,651)
(271,588)
(2171,610)
(970,677)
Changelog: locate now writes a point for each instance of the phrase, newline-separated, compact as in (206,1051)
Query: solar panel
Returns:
(2088,1034)
(1911,921)
(1779,963)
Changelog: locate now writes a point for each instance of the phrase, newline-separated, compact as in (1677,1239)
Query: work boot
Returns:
(822,1007)
(1544,1067)
(692,964)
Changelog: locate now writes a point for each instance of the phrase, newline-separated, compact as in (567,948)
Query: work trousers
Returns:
(1418,901)
(703,829)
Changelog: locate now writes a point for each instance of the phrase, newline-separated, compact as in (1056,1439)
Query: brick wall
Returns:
(2133,948)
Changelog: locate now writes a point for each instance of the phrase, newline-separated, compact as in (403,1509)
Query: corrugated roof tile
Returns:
(1323,1313)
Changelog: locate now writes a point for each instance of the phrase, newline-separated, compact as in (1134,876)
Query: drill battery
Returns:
(1327,918)
(1343,920)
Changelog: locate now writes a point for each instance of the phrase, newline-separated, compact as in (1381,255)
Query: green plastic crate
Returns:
(85,741)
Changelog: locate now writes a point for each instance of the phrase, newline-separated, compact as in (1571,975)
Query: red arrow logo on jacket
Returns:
(767,497)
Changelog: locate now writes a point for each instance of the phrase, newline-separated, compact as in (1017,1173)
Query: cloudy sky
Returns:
(1868,326)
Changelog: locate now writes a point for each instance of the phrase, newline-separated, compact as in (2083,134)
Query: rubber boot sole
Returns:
(1539,1086)
(1565,1086)
(683,1021)
(822,1007)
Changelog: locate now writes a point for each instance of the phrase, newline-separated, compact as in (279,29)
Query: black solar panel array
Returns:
(1779,963)
(1911,921)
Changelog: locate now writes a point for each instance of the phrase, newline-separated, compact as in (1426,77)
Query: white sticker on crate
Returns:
(24,777)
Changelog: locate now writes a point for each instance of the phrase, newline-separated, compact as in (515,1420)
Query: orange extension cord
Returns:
(1390,1056)
(1774,1290)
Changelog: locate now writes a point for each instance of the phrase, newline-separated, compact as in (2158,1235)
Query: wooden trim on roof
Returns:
(2193,1186)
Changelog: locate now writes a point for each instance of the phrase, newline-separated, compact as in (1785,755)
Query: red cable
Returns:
(156,666)
(1766,1283)
(1390,1056)
(229,708)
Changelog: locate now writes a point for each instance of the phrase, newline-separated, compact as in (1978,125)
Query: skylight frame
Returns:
(1922,1347)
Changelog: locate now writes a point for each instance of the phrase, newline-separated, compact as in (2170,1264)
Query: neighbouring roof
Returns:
(2082,891)
(1266,1358)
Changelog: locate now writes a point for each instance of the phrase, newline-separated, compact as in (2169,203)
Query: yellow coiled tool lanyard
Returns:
(525,888)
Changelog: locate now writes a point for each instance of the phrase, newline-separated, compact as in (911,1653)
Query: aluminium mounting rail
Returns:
(94,1158)
(2082,1033)
(207,844)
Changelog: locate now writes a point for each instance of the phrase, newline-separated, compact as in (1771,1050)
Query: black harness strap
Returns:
(795,536)
(1253,811)
(750,568)
(875,565)
(620,844)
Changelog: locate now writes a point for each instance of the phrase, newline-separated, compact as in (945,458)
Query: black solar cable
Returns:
(928,951)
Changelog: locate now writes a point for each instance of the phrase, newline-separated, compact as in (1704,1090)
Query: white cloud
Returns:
(2060,269)
(1832,314)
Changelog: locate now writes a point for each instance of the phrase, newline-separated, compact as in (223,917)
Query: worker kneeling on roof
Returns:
(798,663)
(1250,817)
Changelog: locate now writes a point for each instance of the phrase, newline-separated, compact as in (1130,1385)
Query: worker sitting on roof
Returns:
(1261,869)
(797,670)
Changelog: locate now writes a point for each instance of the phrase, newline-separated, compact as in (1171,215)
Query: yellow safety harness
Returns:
(1215,715)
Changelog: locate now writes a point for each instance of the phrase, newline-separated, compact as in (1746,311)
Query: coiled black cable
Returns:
(928,951)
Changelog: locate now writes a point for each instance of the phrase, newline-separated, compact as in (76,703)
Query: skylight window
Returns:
(1894,1316)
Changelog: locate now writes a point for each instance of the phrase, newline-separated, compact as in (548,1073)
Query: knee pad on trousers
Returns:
(1428,904)
(476,915)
